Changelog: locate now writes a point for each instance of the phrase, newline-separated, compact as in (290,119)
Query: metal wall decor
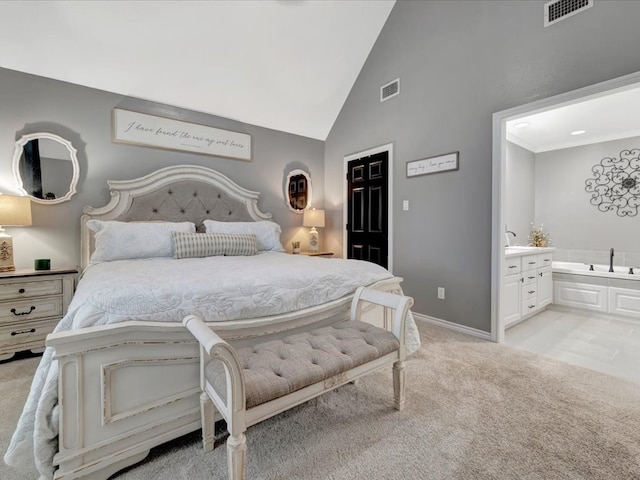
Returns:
(616,184)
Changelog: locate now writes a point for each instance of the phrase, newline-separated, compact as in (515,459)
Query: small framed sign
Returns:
(439,163)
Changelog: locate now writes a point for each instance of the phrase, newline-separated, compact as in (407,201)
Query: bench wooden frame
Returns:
(233,409)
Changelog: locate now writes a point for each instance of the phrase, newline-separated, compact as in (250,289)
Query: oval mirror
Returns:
(298,190)
(45,167)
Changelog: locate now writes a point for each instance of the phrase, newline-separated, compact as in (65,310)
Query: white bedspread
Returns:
(166,289)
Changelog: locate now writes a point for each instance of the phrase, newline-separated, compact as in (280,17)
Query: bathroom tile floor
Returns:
(606,343)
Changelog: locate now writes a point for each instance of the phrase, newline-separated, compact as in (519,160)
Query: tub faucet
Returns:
(611,260)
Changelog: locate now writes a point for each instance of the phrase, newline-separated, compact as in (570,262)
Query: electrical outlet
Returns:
(441,293)
(405,205)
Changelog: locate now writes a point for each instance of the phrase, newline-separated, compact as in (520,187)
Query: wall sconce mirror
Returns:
(45,167)
(298,190)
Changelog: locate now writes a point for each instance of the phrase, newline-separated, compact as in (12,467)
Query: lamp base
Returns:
(313,240)
(6,253)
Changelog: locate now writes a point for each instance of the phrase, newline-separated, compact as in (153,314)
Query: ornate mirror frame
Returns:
(293,188)
(17,155)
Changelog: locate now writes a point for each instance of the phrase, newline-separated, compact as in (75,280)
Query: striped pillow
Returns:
(190,245)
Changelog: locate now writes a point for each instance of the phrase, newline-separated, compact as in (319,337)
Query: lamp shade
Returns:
(313,218)
(15,211)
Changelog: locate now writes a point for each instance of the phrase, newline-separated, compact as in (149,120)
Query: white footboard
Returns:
(128,387)
(123,389)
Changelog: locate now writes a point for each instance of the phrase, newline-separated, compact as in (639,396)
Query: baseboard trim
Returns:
(474,332)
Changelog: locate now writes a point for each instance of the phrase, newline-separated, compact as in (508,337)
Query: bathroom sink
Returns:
(519,248)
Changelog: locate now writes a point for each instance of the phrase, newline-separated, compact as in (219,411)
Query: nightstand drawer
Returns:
(31,332)
(31,289)
(28,309)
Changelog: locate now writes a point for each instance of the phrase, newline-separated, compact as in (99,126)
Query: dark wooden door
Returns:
(367,208)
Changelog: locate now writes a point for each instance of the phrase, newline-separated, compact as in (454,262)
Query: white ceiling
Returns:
(612,116)
(282,64)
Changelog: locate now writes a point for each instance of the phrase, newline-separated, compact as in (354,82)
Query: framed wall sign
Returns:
(439,163)
(137,128)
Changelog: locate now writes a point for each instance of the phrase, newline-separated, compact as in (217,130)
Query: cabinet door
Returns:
(545,287)
(511,299)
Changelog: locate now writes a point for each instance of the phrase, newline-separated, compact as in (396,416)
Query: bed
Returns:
(119,375)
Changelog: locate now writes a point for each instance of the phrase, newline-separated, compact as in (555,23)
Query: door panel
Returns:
(375,210)
(367,209)
(357,210)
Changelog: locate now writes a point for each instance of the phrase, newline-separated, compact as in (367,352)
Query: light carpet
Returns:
(475,410)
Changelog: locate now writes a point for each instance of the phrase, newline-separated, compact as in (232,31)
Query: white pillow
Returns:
(267,233)
(123,240)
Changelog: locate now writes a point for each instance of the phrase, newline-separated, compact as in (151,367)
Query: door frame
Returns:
(498,179)
(345,200)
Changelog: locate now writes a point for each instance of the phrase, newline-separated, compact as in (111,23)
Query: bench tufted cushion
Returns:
(276,368)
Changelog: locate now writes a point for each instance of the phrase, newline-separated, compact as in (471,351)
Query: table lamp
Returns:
(14,211)
(313,218)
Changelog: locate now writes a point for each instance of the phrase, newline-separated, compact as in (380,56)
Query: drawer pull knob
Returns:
(513,266)
(21,290)
(32,330)
(531,291)
(13,310)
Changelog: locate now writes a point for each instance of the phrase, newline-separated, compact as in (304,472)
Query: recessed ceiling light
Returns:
(578,132)
(521,125)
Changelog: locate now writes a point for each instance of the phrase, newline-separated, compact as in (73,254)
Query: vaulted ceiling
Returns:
(282,64)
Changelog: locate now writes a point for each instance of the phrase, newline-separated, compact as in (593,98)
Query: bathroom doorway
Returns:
(500,140)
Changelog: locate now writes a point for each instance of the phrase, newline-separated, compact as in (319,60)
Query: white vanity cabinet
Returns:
(544,280)
(527,283)
(511,291)
(529,286)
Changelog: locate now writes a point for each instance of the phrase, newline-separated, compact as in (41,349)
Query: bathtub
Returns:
(576,285)
(598,270)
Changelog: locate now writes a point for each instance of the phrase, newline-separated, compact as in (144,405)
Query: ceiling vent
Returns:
(561,9)
(389,90)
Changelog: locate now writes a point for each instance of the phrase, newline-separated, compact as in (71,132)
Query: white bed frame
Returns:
(128,387)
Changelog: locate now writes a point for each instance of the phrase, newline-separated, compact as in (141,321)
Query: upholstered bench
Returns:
(250,384)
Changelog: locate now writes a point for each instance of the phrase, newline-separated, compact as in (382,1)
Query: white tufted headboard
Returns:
(182,193)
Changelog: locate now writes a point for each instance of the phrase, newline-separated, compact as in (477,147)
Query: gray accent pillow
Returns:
(196,245)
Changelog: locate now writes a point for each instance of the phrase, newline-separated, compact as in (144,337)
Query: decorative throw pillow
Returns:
(190,245)
(267,233)
(124,240)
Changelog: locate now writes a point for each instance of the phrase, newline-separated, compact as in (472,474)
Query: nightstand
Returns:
(317,254)
(32,302)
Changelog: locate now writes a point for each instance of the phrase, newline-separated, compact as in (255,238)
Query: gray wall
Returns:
(458,63)
(83,116)
(562,203)
(519,192)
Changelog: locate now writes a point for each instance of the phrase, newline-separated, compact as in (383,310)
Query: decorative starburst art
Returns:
(615,185)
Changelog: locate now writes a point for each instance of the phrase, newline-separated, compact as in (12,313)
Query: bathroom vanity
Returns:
(527,286)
